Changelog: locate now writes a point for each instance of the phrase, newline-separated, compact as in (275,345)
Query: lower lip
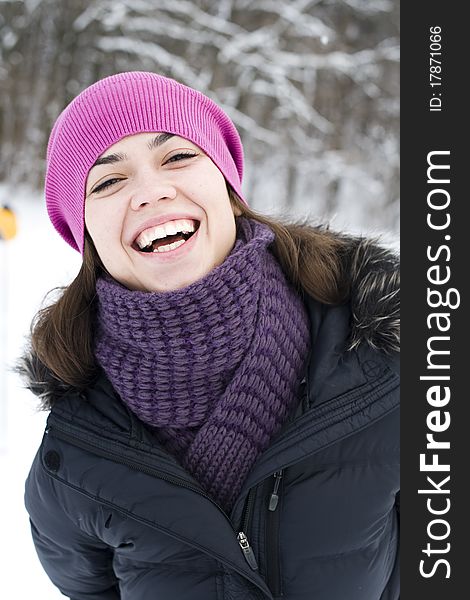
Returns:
(172,254)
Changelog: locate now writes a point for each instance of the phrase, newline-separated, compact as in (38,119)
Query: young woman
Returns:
(223,388)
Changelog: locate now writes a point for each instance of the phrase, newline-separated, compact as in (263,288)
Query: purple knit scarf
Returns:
(214,367)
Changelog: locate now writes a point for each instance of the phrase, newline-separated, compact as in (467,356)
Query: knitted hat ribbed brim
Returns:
(122,105)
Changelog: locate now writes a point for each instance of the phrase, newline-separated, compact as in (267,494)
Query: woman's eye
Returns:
(105,184)
(180,156)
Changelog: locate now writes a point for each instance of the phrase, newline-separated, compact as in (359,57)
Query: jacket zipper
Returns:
(273,566)
(244,526)
(241,536)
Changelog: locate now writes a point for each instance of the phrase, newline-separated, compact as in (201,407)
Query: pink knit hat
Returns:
(122,105)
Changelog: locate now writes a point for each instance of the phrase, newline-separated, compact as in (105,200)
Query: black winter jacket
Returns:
(114,516)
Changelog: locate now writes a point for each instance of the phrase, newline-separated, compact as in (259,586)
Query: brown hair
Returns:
(310,256)
(62,333)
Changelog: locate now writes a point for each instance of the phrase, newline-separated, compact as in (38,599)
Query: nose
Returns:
(151,189)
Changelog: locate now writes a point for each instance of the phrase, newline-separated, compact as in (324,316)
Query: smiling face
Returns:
(158,212)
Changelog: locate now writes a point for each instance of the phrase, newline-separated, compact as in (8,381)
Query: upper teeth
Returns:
(160,231)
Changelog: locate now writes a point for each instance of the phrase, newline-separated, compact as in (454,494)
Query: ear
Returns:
(234,202)
(236,211)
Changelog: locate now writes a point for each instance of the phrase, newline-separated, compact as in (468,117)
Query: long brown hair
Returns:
(62,333)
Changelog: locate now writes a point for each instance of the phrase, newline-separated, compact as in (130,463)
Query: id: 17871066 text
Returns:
(435,68)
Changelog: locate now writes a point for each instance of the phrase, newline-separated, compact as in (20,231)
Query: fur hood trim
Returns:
(374,283)
(41,381)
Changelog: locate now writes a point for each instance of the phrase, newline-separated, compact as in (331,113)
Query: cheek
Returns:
(92,219)
(225,235)
(207,185)
(102,225)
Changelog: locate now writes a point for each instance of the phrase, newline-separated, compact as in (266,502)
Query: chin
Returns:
(167,286)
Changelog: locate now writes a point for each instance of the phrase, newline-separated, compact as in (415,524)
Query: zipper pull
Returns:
(274,500)
(247,551)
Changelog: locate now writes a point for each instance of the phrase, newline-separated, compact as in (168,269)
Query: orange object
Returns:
(7,223)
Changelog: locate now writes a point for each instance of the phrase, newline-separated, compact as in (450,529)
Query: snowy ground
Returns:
(30,265)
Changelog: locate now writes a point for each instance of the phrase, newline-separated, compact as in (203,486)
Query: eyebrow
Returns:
(110,159)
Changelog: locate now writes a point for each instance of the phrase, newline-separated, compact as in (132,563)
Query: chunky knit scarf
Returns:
(214,367)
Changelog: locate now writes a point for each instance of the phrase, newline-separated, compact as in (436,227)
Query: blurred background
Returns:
(312,86)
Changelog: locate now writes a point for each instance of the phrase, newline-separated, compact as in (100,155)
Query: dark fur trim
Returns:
(40,380)
(374,295)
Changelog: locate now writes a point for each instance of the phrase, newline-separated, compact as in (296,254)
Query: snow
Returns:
(31,264)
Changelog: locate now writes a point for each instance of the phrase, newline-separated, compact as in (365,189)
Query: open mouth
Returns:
(166,237)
